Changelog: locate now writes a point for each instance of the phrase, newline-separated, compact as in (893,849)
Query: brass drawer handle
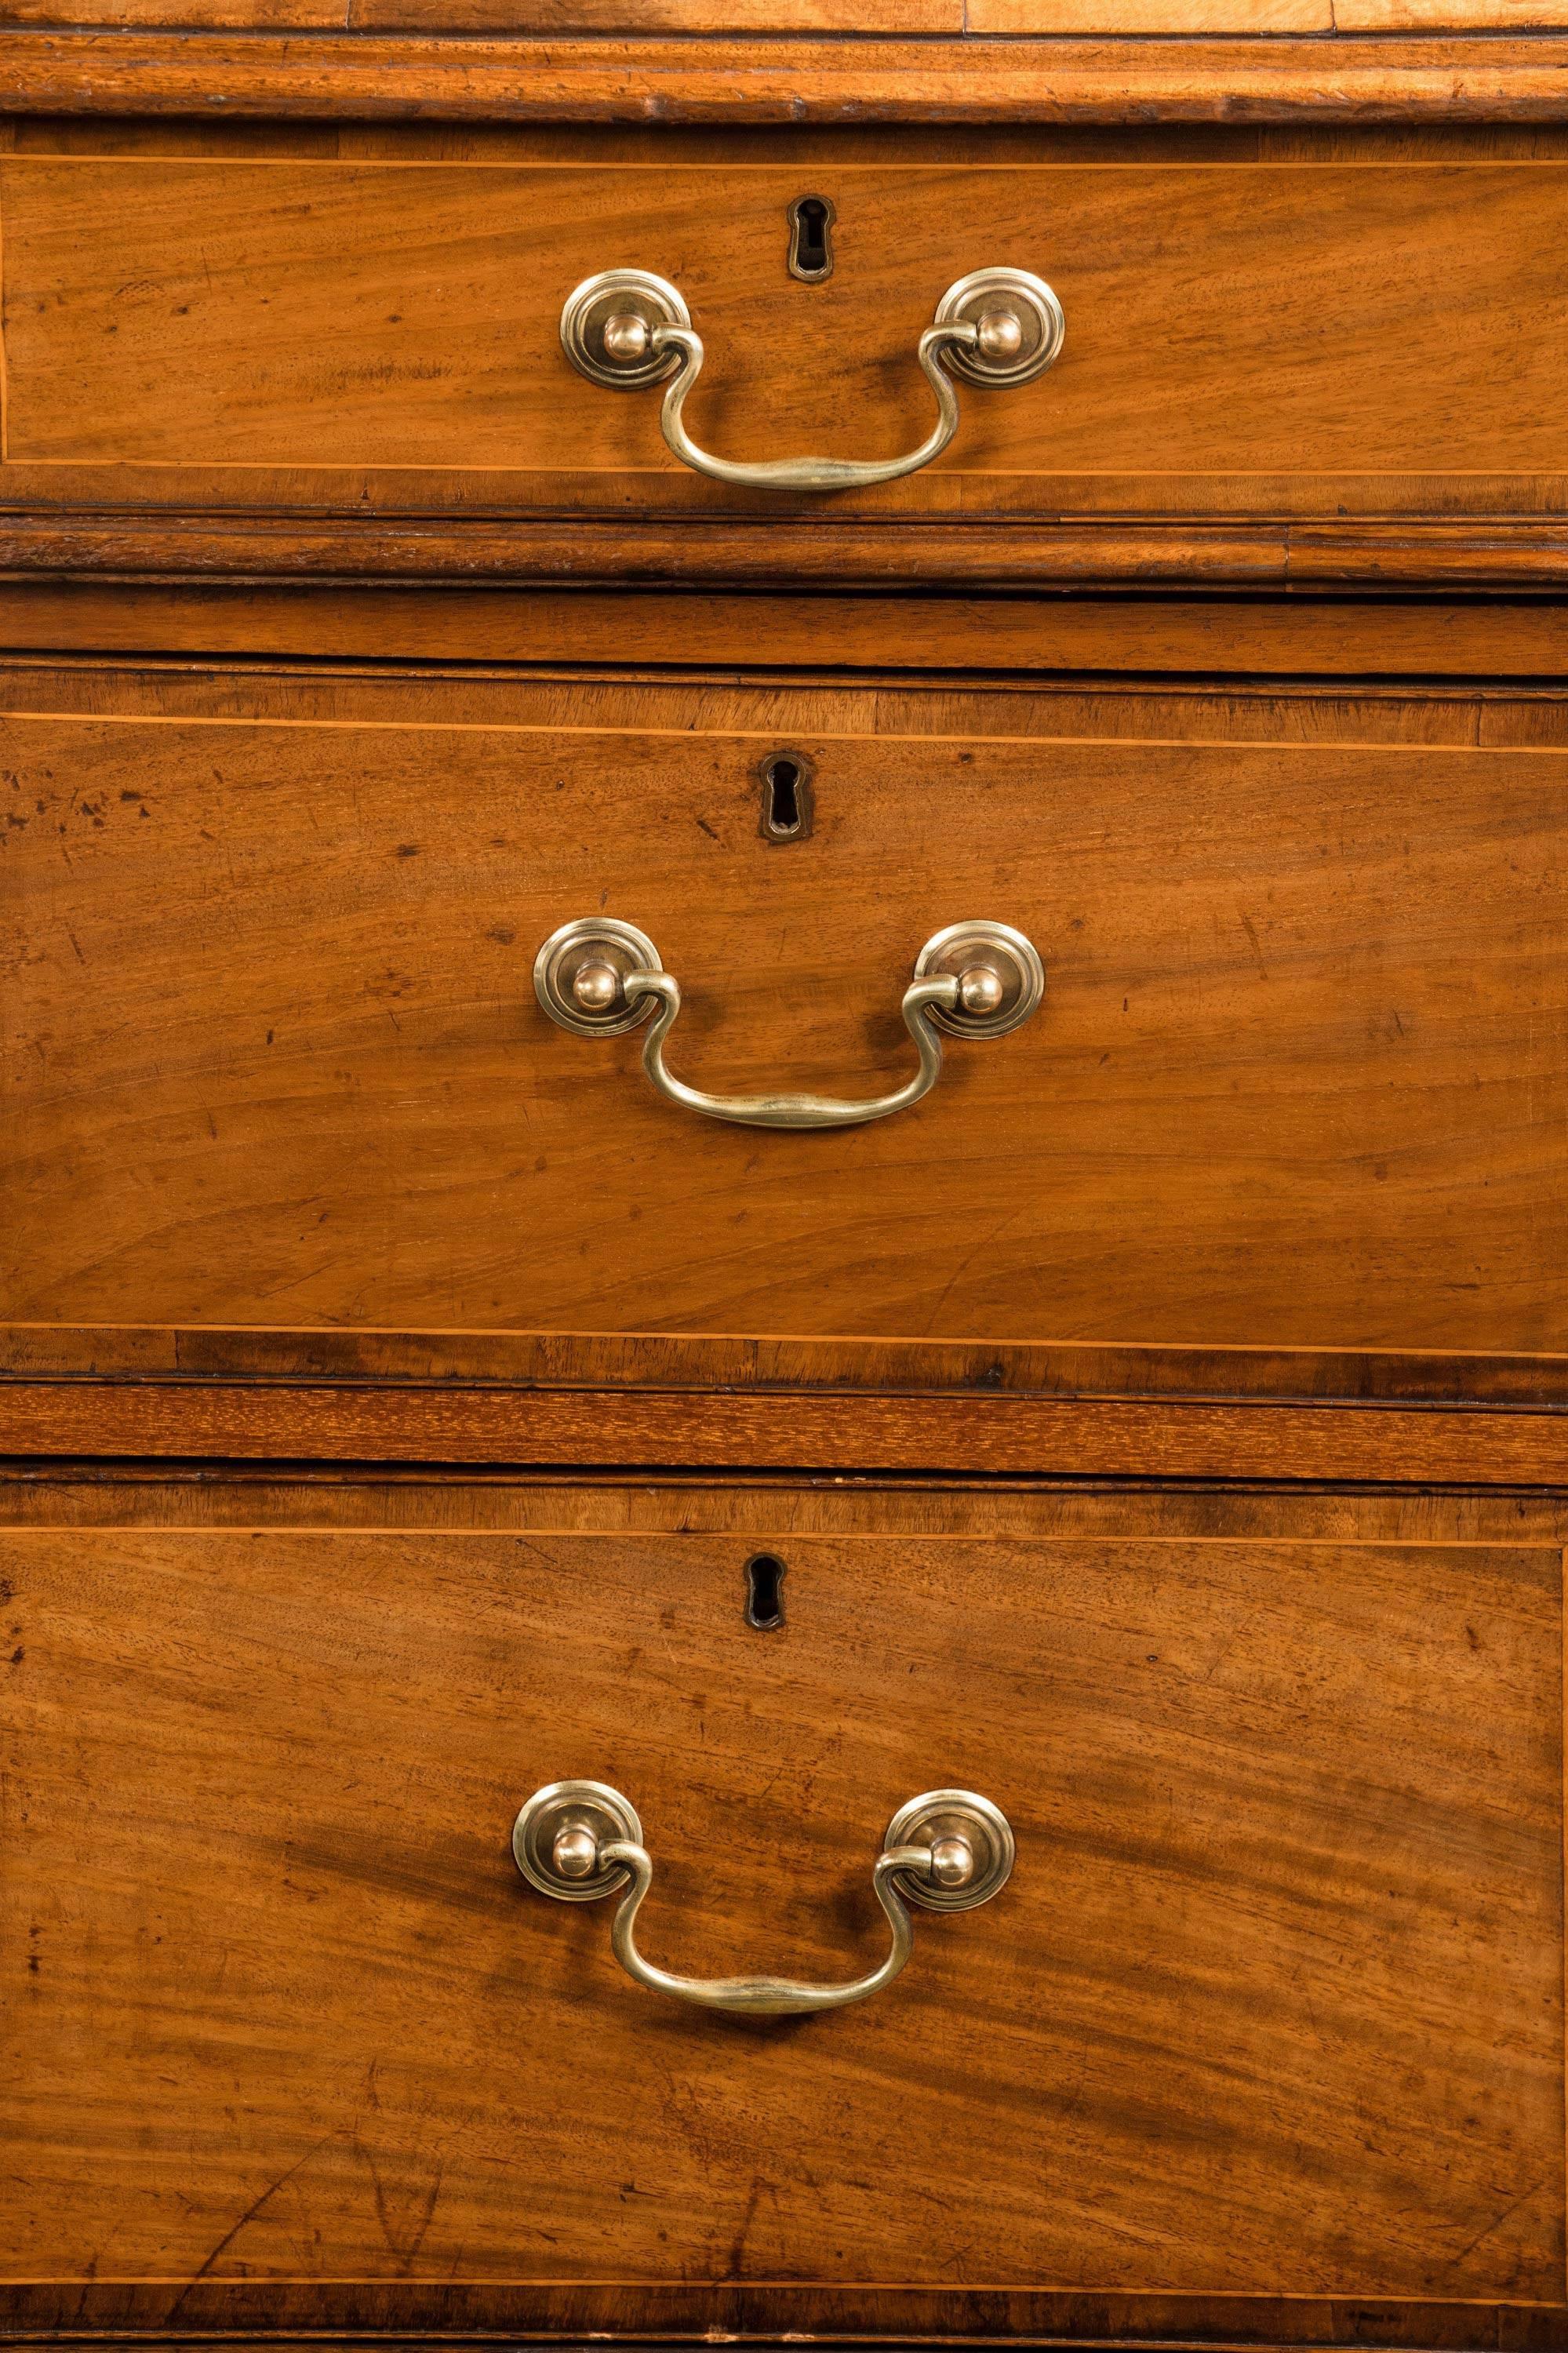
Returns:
(945,1851)
(628,329)
(600,978)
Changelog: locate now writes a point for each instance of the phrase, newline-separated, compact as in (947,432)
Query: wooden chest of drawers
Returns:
(784,1274)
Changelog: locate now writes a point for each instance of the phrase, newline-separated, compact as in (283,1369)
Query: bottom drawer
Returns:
(1263,2038)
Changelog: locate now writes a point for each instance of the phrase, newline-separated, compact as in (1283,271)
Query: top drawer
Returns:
(374,324)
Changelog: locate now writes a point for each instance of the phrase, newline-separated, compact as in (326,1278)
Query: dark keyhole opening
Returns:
(810,241)
(764,1592)
(784,782)
(785,797)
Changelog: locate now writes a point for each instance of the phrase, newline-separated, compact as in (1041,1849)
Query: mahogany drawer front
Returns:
(1331,330)
(1269,2009)
(273,1056)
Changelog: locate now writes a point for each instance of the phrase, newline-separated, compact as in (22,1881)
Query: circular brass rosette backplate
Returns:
(620,294)
(1023,298)
(996,947)
(590,1806)
(953,1814)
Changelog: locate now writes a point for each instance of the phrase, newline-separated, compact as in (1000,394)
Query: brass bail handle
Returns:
(947,1851)
(600,978)
(629,330)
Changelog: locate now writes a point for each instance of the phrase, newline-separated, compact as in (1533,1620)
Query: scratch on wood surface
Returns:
(248,2216)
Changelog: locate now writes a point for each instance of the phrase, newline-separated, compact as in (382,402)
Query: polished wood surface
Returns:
(332,1397)
(940,26)
(1163,1429)
(272,1054)
(644,22)
(130,2317)
(766,1508)
(643,17)
(747,701)
(1511,557)
(1272,2008)
(286,71)
(1426,638)
(190,1354)
(304,1420)
(1323,337)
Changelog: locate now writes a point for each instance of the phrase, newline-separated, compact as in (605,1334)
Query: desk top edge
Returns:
(1442,75)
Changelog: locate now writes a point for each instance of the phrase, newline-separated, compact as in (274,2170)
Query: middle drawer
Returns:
(274,1054)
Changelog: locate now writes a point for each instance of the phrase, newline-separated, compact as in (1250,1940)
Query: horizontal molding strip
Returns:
(796,1430)
(157,545)
(458,2312)
(1331,78)
(730,1364)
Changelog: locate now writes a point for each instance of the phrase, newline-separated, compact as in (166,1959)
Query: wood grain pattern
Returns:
(573,699)
(742,146)
(1423,15)
(1264,2046)
(1258,16)
(766,1509)
(1141,17)
(646,17)
(1511,557)
(272,1058)
(308,1421)
(1426,638)
(263,16)
(403,2316)
(640,18)
(106,71)
(771,17)
(1321,340)
(190,1355)
(1273,2006)
(643,1399)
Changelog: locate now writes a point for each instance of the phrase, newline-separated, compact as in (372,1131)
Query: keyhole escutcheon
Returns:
(787,802)
(765,1592)
(812,222)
